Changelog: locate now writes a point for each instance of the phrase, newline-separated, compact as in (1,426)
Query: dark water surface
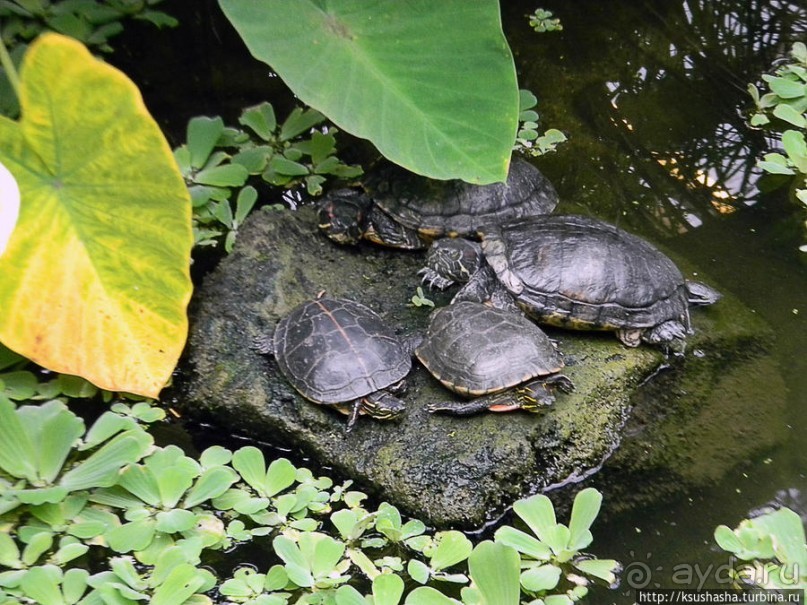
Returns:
(651,95)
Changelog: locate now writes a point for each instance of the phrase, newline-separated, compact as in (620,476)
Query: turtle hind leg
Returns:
(530,396)
(560,382)
(664,332)
(382,229)
(630,338)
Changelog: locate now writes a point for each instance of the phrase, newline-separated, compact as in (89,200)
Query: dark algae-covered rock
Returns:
(448,470)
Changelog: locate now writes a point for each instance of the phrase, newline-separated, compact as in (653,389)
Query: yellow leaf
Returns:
(95,278)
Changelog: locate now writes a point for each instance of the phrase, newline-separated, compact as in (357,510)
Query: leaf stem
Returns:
(8,66)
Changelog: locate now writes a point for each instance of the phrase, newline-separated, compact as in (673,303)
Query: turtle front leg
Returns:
(433,279)
(530,396)
(355,410)
(479,288)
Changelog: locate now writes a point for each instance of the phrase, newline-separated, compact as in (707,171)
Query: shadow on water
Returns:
(652,96)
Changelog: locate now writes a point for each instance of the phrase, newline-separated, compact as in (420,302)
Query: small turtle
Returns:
(339,353)
(403,210)
(498,357)
(574,272)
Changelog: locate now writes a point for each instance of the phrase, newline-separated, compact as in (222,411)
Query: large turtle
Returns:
(339,353)
(497,357)
(575,272)
(403,210)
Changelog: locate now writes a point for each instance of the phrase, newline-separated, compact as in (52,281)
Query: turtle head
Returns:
(700,294)
(383,405)
(343,215)
(454,260)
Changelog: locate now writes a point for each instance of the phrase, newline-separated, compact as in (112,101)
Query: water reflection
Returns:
(658,111)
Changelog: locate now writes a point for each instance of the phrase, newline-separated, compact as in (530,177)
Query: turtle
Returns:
(496,357)
(340,353)
(403,210)
(574,272)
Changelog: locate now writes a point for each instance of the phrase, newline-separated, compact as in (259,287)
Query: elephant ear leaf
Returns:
(96,273)
(431,84)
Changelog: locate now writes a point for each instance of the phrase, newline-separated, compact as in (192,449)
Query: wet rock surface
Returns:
(447,470)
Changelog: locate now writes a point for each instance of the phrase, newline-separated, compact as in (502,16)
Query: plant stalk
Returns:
(8,66)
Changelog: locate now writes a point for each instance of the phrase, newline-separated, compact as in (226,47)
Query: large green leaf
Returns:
(95,275)
(431,84)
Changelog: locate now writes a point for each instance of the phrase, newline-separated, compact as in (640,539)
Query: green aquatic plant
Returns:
(553,547)
(783,109)
(775,547)
(419,299)
(544,21)
(216,161)
(45,452)
(92,22)
(18,382)
(528,139)
(150,516)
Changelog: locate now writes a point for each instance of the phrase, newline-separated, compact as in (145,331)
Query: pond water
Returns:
(651,95)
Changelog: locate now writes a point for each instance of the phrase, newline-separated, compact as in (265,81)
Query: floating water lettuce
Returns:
(431,84)
(95,275)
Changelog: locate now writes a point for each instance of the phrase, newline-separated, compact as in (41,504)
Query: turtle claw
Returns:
(264,345)
(440,406)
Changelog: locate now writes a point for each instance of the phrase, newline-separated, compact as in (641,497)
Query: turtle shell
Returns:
(474,349)
(335,350)
(456,208)
(579,272)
